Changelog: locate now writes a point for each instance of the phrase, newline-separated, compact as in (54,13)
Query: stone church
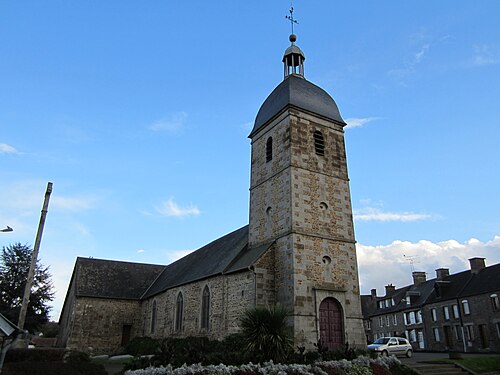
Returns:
(298,249)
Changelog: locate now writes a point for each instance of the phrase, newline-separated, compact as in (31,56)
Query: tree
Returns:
(266,332)
(15,262)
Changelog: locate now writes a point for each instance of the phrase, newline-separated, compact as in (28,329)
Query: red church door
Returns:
(331,325)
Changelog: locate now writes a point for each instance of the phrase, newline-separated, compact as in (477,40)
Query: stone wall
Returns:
(96,325)
(302,201)
(482,320)
(230,296)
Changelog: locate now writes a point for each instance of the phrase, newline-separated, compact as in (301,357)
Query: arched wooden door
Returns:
(331,324)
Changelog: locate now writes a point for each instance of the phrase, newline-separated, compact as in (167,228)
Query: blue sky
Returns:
(139,112)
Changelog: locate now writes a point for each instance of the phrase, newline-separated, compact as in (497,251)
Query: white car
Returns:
(391,346)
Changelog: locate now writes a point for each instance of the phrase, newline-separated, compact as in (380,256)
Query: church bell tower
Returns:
(300,201)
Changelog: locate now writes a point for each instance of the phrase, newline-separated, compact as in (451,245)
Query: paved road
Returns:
(422,357)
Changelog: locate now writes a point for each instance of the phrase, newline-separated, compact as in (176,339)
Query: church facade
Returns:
(298,249)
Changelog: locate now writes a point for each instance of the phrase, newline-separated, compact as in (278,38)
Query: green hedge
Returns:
(53,368)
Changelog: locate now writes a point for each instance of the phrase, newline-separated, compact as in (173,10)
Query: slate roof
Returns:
(227,254)
(458,285)
(467,283)
(300,93)
(113,279)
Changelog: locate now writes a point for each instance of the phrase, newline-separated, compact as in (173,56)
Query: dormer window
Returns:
(269,149)
(319,143)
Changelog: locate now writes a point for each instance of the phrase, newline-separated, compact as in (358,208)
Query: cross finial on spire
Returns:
(290,17)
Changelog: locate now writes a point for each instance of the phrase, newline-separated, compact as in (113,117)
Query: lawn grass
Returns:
(479,365)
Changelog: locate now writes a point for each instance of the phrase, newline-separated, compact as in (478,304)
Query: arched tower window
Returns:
(153,317)
(319,143)
(179,307)
(269,149)
(205,308)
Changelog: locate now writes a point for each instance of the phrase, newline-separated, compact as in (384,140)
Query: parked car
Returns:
(391,346)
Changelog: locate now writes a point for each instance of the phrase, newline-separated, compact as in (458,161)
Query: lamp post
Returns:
(8,229)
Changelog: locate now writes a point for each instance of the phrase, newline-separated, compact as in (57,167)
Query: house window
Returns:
(465,306)
(455,311)
(319,143)
(419,317)
(446,311)
(458,332)
(269,149)
(381,321)
(434,315)
(388,320)
(435,331)
(205,308)
(497,324)
(395,319)
(495,302)
(469,332)
(179,307)
(153,317)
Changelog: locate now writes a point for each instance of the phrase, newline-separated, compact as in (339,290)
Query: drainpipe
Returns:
(461,325)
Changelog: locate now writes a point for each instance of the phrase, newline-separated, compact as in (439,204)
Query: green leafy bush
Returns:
(142,346)
(53,368)
(35,355)
(266,333)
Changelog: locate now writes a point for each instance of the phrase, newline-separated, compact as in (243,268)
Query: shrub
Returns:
(35,355)
(142,346)
(53,368)
(266,333)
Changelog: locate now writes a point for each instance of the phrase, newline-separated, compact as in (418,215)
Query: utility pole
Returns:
(34,257)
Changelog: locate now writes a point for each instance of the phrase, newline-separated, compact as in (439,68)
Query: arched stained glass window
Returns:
(179,307)
(205,309)
(153,317)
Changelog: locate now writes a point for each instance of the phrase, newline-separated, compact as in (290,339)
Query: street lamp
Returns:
(8,229)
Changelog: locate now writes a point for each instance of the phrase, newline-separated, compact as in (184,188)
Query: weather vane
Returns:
(290,17)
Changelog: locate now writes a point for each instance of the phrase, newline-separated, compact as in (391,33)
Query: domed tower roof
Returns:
(296,91)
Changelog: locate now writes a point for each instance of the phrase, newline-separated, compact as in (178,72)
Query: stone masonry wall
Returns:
(97,324)
(483,320)
(270,208)
(302,201)
(230,296)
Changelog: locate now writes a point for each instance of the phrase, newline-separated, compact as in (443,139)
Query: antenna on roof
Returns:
(412,259)
(290,17)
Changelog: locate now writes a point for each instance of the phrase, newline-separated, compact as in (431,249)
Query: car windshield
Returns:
(382,340)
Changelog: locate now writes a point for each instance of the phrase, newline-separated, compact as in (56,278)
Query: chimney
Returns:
(389,289)
(441,273)
(374,294)
(476,264)
(418,277)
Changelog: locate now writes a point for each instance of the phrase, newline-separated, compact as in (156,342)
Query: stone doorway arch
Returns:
(331,324)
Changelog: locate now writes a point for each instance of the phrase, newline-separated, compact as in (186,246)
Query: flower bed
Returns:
(359,366)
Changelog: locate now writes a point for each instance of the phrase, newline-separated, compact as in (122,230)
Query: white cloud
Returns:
(355,122)
(140,251)
(390,264)
(420,54)
(72,203)
(485,55)
(171,208)
(171,124)
(7,149)
(375,214)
